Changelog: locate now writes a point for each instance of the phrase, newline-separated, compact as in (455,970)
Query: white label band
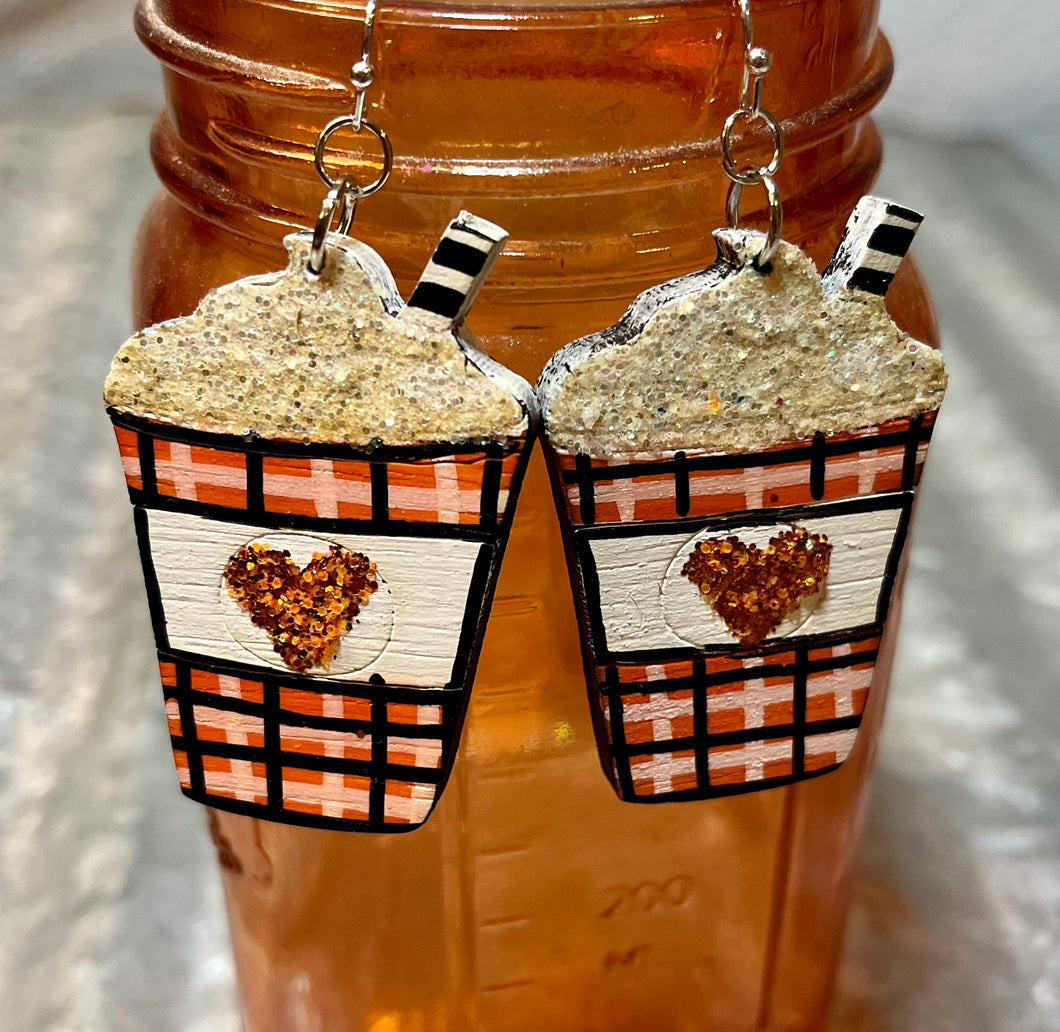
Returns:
(646,603)
(408,633)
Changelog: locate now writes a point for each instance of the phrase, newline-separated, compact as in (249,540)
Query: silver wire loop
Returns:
(756,63)
(776,216)
(348,122)
(341,203)
(728,162)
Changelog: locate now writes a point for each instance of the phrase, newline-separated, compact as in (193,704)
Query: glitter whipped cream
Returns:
(739,365)
(323,359)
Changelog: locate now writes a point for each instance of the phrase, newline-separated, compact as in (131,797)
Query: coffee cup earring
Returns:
(323,480)
(734,464)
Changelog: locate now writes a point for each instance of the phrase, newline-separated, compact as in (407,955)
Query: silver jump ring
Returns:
(776,217)
(349,122)
(746,176)
(341,200)
(729,163)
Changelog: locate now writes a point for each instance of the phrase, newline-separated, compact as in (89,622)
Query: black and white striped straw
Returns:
(877,236)
(467,252)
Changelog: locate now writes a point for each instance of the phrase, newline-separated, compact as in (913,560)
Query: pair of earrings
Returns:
(324,478)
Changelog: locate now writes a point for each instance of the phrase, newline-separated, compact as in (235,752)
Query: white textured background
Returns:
(985,69)
(955,925)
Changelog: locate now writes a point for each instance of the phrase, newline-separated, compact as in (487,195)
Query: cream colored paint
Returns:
(409,639)
(646,603)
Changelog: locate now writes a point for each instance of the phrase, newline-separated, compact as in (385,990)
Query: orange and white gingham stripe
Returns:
(414,752)
(723,663)
(129,450)
(197,474)
(224,685)
(311,703)
(328,488)
(829,750)
(442,490)
(731,706)
(321,741)
(762,760)
(713,492)
(345,796)
(407,802)
(224,777)
(321,793)
(447,489)
(768,759)
(739,705)
(655,718)
(180,757)
(342,796)
(757,702)
(661,773)
(409,713)
(843,692)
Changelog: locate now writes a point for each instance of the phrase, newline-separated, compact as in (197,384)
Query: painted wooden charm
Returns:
(734,464)
(323,481)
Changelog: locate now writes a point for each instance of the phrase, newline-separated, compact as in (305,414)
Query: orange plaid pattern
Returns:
(321,746)
(196,474)
(226,777)
(346,797)
(223,777)
(326,741)
(129,450)
(870,470)
(737,764)
(406,713)
(637,673)
(442,490)
(235,779)
(407,802)
(414,752)
(316,741)
(317,487)
(320,704)
(748,725)
(843,692)
(453,489)
(225,685)
(180,757)
(292,748)
(769,759)
(323,794)
(823,752)
(661,773)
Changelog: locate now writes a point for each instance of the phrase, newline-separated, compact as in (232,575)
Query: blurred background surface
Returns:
(956,917)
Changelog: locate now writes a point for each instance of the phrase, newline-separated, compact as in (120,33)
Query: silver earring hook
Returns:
(756,63)
(362,73)
(343,192)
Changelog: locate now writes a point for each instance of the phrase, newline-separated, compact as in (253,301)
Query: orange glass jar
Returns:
(533,899)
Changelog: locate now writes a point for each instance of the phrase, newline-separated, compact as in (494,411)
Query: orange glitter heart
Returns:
(754,589)
(305,611)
